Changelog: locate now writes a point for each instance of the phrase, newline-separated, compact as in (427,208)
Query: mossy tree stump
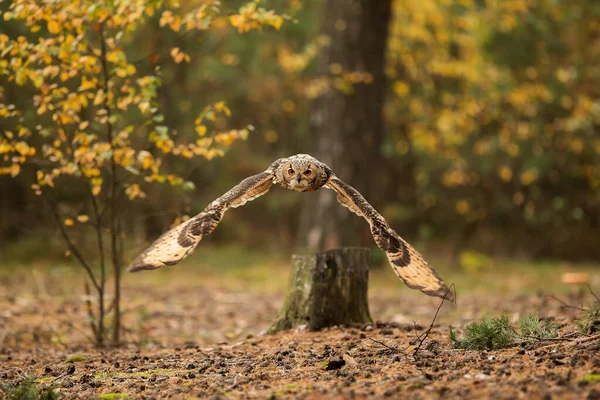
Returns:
(327,289)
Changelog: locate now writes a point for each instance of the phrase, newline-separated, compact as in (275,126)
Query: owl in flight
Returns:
(301,173)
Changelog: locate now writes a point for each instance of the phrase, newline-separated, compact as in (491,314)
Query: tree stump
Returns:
(327,289)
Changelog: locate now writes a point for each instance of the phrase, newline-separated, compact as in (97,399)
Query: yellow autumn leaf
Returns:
(113,56)
(463,206)
(87,83)
(68,222)
(134,191)
(176,24)
(220,106)
(83,218)
(201,130)
(401,88)
(528,177)
(5,148)
(276,22)
(22,148)
(236,20)
(147,162)
(14,170)
(53,27)
(505,173)
(187,153)
(165,18)
(179,58)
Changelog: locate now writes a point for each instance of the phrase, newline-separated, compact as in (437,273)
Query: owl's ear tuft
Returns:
(275,165)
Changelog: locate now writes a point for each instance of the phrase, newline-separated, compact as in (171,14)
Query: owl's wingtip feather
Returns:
(442,292)
(139,265)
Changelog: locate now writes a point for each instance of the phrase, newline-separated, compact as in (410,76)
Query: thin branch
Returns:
(110,307)
(426,333)
(69,242)
(565,303)
(71,325)
(176,39)
(102,263)
(90,311)
(584,340)
(547,339)
(573,342)
(98,227)
(113,189)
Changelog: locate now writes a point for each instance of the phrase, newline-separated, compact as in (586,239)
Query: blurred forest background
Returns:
(473,126)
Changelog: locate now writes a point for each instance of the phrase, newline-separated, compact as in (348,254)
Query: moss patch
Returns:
(75,358)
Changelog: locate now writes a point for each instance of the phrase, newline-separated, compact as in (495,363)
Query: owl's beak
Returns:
(299,177)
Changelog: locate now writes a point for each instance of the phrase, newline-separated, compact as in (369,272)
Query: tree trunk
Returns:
(347,124)
(327,289)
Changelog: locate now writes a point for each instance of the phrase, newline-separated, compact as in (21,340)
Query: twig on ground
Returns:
(564,303)
(421,338)
(547,339)
(235,383)
(394,349)
(573,342)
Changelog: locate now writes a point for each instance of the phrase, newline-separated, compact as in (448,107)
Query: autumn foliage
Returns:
(496,105)
(94,120)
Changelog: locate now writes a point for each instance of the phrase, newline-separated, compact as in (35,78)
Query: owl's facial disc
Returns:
(301,177)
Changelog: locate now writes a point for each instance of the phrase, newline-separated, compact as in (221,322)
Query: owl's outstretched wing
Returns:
(408,263)
(176,244)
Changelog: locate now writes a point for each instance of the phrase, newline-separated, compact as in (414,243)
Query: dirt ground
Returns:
(203,337)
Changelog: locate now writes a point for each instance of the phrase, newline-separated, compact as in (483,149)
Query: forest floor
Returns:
(199,331)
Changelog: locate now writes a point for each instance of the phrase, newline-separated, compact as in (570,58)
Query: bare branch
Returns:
(90,311)
(69,242)
(175,40)
(425,334)
(100,241)
(113,190)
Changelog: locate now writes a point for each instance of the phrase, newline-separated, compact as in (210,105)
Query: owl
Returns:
(301,173)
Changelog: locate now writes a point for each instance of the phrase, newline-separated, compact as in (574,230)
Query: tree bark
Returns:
(348,125)
(327,289)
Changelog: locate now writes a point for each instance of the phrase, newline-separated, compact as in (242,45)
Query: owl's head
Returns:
(302,173)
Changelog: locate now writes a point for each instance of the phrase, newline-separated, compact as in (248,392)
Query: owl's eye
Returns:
(307,172)
(290,171)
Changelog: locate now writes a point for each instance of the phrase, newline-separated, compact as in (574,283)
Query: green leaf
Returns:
(188,185)
(162,131)
(132,170)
